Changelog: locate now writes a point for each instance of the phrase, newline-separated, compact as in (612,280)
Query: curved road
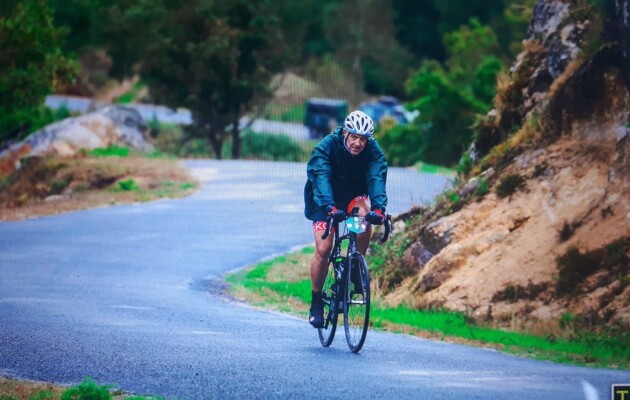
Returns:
(128,296)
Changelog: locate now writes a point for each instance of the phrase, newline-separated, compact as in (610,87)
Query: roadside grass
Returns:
(283,284)
(11,389)
(434,169)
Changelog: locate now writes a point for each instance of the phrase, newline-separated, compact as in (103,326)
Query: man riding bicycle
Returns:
(347,169)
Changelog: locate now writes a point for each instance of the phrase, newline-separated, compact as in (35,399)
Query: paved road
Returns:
(128,296)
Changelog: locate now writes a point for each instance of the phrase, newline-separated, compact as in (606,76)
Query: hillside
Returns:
(537,230)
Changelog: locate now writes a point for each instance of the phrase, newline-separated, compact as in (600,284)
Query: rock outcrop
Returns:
(550,233)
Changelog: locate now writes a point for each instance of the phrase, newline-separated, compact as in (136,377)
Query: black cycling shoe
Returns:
(316,317)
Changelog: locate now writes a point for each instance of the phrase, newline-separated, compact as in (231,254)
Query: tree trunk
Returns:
(217,145)
(622,17)
(236,140)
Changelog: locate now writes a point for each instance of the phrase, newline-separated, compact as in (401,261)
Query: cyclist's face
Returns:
(355,143)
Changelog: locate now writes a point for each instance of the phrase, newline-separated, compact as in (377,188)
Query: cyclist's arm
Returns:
(319,172)
(377,177)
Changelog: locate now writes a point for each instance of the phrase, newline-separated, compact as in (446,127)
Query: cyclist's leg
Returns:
(319,262)
(363,240)
(319,269)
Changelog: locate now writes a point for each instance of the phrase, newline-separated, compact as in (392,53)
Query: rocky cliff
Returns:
(537,229)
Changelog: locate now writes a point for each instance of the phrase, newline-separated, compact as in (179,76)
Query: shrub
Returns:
(268,146)
(483,188)
(574,266)
(128,185)
(465,165)
(87,390)
(567,230)
(510,184)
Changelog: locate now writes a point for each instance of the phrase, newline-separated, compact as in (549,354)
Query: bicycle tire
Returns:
(331,313)
(356,305)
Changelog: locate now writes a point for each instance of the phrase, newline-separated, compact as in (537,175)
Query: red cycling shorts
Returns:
(320,226)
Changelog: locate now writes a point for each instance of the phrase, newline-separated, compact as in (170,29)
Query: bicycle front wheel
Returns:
(356,305)
(331,312)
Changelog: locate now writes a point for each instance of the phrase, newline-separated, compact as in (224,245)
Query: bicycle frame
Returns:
(342,293)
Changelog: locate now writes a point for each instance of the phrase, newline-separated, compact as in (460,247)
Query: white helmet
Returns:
(359,123)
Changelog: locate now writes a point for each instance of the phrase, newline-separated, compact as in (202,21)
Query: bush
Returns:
(128,185)
(87,390)
(510,184)
(267,146)
(574,267)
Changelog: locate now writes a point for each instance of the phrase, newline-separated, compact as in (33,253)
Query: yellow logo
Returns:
(621,391)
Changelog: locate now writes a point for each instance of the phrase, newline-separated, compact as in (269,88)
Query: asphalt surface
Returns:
(129,295)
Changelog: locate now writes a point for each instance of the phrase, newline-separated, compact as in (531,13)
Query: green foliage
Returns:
(509,184)
(87,390)
(42,395)
(58,185)
(214,58)
(31,64)
(427,168)
(465,165)
(448,98)
(83,20)
(128,185)
(31,120)
(267,146)
(129,96)
(111,151)
(483,188)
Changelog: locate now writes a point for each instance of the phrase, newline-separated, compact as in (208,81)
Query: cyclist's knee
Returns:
(323,248)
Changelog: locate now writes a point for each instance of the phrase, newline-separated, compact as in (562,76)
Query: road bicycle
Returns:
(347,286)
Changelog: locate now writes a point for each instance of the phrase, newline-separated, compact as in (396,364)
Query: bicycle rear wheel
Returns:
(356,305)
(331,312)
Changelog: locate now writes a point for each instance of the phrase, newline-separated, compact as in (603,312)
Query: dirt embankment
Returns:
(51,185)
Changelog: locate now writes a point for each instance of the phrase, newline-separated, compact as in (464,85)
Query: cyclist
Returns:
(347,169)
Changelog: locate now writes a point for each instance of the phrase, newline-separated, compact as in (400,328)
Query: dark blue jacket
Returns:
(335,176)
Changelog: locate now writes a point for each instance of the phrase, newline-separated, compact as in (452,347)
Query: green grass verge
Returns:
(275,284)
(87,390)
(434,169)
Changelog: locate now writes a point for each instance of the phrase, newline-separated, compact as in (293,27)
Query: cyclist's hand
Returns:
(375,217)
(336,214)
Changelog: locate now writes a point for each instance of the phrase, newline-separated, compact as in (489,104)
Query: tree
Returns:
(448,97)
(31,65)
(216,58)
(365,44)
(83,21)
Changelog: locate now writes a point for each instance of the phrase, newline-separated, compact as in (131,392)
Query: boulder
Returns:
(110,126)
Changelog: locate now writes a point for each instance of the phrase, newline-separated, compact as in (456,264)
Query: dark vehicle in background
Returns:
(323,115)
(388,106)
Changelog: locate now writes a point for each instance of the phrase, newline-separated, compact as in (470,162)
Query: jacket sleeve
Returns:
(319,172)
(377,177)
